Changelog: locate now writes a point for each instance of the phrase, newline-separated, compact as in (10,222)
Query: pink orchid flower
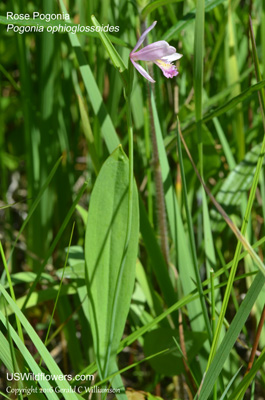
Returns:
(160,53)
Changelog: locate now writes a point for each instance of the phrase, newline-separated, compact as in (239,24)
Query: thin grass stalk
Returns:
(182,346)
(256,341)
(59,291)
(198,75)
(198,88)
(49,361)
(238,234)
(12,351)
(230,338)
(35,204)
(54,244)
(141,331)
(229,222)
(121,371)
(252,394)
(213,300)
(19,327)
(261,93)
(263,35)
(59,329)
(213,321)
(224,395)
(192,240)
(241,389)
(232,77)
(233,294)
(247,213)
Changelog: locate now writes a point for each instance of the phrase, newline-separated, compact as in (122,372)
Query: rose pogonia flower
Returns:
(160,53)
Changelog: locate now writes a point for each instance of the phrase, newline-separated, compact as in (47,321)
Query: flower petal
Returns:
(142,71)
(171,58)
(168,69)
(143,36)
(154,51)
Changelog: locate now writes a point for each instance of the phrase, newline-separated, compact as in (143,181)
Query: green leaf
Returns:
(188,18)
(36,201)
(5,353)
(170,363)
(114,55)
(237,183)
(89,135)
(76,268)
(232,334)
(152,397)
(104,254)
(241,389)
(231,60)
(82,212)
(6,357)
(55,241)
(224,395)
(158,263)
(245,94)
(94,94)
(230,105)
(45,295)
(153,5)
(22,277)
(46,356)
(76,271)
(76,255)
(192,240)
(176,226)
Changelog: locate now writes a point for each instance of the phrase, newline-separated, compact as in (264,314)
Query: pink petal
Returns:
(143,36)
(142,71)
(170,73)
(168,70)
(154,51)
(171,58)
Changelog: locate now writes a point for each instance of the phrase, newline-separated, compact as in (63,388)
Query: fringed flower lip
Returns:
(160,53)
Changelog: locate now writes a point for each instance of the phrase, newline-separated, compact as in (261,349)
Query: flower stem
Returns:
(160,198)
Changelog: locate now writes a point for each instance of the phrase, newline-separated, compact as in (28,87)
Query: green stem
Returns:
(160,195)
(148,171)
(213,321)
(19,328)
(198,88)
(192,240)
(58,293)
(246,217)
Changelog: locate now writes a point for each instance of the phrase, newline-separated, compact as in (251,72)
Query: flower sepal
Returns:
(160,53)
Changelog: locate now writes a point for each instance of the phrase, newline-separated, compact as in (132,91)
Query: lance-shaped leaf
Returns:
(107,260)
